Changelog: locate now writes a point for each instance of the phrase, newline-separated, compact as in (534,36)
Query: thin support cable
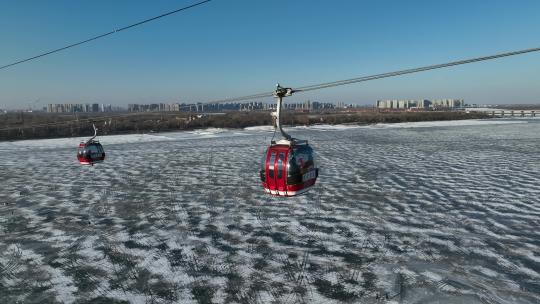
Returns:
(103,35)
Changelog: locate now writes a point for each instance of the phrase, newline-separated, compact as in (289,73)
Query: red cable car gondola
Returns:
(288,166)
(91,151)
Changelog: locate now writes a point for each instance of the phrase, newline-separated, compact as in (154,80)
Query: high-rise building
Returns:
(420,104)
(448,103)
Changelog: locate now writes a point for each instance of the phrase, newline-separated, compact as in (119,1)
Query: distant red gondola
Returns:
(288,166)
(91,151)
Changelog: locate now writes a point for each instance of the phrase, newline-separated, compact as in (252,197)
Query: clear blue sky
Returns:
(230,48)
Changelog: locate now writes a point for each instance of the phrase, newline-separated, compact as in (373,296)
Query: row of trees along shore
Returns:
(21,125)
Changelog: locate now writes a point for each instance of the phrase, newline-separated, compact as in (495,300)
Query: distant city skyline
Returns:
(235,48)
(252,105)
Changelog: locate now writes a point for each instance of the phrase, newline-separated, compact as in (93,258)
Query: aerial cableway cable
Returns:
(383,75)
(104,35)
(411,71)
(63,122)
(321,85)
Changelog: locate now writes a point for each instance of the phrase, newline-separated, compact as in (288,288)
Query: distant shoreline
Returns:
(45,126)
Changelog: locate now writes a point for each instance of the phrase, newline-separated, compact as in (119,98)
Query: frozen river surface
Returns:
(445,212)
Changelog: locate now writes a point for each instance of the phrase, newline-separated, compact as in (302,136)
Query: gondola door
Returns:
(281,174)
(270,170)
(276,166)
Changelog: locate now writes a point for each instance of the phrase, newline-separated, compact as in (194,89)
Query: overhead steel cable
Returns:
(331,84)
(63,122)
(104,35)
(378,76)
(410,71)
(243,98)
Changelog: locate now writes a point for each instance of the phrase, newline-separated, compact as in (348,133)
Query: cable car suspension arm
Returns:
(279,94)
(95,134)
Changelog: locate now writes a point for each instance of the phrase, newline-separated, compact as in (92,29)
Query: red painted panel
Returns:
(281,165)
(270,169)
